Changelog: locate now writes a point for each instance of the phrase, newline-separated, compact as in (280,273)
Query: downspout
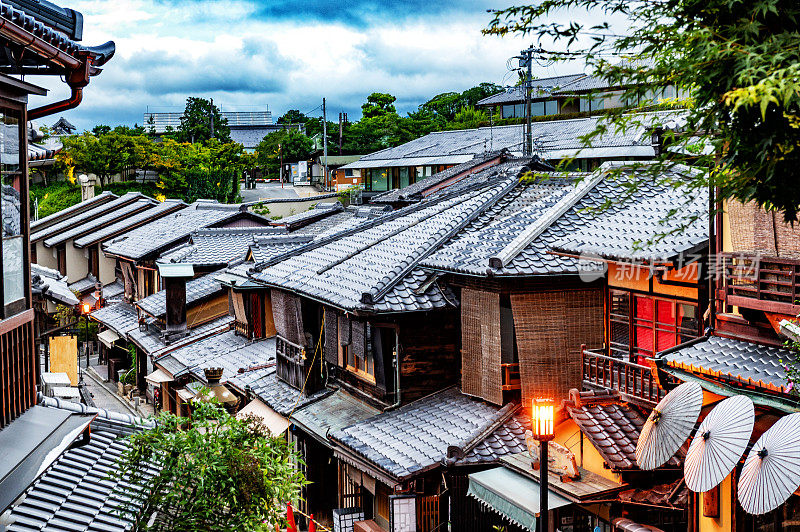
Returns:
(396,369)
(77,79)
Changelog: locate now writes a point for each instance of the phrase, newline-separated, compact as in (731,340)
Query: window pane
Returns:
(508,111)
(665,340)
(644,308)
(404,177)
(537,108)
(620,303)
(551,107)
(644,339)
(380,182)
(665,312)
(10,209)
(13,280)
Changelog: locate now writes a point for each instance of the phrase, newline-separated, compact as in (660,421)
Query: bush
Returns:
(54,197)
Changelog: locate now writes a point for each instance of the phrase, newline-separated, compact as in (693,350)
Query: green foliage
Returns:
(55,196)
(468,118)
(738,61)
(378,104)
(293,116)
(291,144)
(216,473)
(196,122)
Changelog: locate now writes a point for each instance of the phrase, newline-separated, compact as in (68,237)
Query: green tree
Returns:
(196,122)
(100,129)
(218,472)
(445,105)
(378,104)
(738,63)
(293,116)
(291,144)
(471,97)
(468,118)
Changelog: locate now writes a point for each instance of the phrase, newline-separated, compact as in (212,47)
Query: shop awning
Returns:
(185,395)
(108,337)
(159,376)
(511,495)
(276,423)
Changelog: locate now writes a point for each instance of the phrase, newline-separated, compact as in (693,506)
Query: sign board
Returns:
(64,356)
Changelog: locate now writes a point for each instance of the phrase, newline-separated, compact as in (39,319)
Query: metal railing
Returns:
(628,378)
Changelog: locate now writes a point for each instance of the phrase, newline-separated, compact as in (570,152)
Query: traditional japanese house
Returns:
(136,250)
(40,442)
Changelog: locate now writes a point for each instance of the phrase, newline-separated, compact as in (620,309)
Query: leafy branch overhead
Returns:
(737,62)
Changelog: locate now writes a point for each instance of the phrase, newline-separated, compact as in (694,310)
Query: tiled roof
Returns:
(507,439)
(540,216)
(52,285)
(332,413)
(612,427)
(119,317)
(657,223)
(415,190)
(84,285)
(735,361)
(584,84)
(114,291)
(167,230)
(541,87)
(99,54)
(275,393)
(267,248)
(217,246)
(77,492)
(103,197)
(553,139)
(99,235)
(152,343)
(415,437)
(375,269)
(88,216)
(120,213)
(196,290)
(226,350)
(321,210)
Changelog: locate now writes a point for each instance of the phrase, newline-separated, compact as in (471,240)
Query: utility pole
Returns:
(340,133)
(325,140)
(211,111)
(526,62)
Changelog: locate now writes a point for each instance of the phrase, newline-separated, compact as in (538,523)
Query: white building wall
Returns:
(77,263)
(106,268)
(45,256)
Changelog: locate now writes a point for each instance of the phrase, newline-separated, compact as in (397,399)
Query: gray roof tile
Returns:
(275,393)
(103,197)
(196,290)
(735,361)
(87,216)
(152,343)
(110,231)
(119,317)
(416,436)
(167,230)
(120,213)
(541,87)
(217,247)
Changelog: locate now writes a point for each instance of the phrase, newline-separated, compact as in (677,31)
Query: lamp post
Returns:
(86,308)
(542,420)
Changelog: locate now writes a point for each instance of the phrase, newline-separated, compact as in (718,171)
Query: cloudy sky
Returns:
(285,54)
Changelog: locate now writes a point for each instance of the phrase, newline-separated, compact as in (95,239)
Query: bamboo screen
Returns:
(754,230)
(480,354)
(331,337)
(550,328)
(288,320)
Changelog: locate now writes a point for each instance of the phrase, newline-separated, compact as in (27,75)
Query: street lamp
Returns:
(543,432)
(86,308)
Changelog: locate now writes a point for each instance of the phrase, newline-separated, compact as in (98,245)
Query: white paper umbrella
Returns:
(668,425)
(719,443)
(771,472)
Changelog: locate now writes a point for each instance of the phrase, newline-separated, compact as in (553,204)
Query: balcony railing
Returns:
(631,380)
(294,367)
(511,378)
(761,283)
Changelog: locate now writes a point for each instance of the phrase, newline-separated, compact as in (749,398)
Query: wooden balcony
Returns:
(294,368)
(243,329)
(511,378)
(633,381)
(761,283)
